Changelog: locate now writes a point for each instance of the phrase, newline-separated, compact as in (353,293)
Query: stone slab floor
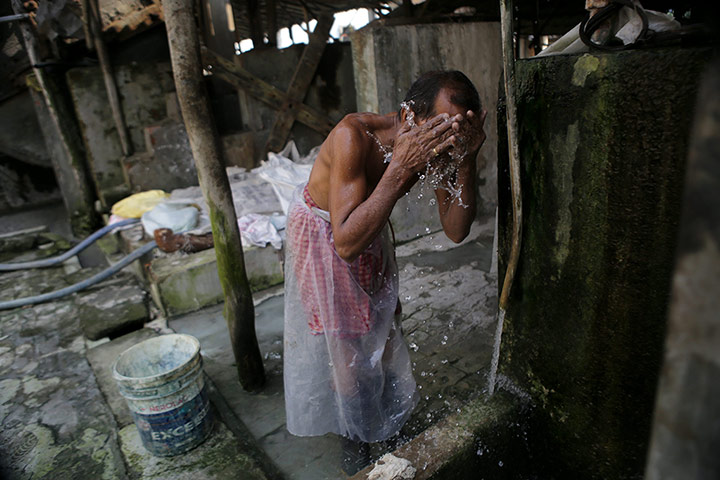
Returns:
(449,302)
(58,419)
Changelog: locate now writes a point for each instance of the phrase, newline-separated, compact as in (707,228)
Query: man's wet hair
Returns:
(424,91)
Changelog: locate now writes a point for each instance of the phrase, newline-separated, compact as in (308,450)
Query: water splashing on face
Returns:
(409,114)
(442,174)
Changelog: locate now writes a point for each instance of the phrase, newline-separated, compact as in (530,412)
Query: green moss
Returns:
(602,150)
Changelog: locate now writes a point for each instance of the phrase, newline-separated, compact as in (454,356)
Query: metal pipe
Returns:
(49,262)
(46,297)
(14,18)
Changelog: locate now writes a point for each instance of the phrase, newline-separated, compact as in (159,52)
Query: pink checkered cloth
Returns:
(338,297)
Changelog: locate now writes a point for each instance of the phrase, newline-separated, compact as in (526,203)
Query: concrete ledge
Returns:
(101,359)
(219,457)
(183,283)
(454,447)
(114,310)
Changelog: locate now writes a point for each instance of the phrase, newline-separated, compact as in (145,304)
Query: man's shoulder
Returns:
(355,123)
(353,128)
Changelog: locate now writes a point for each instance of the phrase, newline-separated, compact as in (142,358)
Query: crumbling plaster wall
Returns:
(142,88)
(388,59)
(162,156)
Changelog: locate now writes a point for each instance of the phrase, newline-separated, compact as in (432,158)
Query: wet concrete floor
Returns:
(57,422)
(449,302)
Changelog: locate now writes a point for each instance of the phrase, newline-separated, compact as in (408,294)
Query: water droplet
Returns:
(413,346)
(427,229)
(500,463)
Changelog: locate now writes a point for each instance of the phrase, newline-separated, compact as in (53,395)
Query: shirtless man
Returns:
(347,367)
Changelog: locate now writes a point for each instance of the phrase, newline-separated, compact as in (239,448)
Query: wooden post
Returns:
(69,164)
(205,145)
(109,77)
(506,24)
(255,22)
(507,31)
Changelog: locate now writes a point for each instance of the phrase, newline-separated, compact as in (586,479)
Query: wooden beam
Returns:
(205,144)
(304,73)
(271,7)
(271,96)
(109,78)
(255,22)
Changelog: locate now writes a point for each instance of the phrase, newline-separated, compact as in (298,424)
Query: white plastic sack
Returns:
(256,229)
(628,29)
(390,467)
(251,194)
(175,216)
(286,170)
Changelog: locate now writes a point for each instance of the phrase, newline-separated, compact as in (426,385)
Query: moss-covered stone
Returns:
(184,283)
(112,311)
(469,444)
(603,141)
(219,457)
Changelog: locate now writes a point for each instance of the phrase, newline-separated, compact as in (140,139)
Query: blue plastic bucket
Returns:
(162,381)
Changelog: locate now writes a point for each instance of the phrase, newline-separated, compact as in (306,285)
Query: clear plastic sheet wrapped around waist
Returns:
(347,366)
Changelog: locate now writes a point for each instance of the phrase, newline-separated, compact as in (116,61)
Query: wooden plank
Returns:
(255,23)
(304,73)
(271,96)
(205,144)
(109,79)
(69,160)
(271,8)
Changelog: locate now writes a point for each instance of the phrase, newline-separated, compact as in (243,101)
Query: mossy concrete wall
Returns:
(603,141)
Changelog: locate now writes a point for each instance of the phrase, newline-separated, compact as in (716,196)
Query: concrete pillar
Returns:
(686,428)
(603,142)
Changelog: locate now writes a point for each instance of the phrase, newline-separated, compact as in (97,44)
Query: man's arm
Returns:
(455,218)
(357,218)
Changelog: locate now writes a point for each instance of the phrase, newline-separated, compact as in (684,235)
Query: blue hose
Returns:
(21,302)
(48,262)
